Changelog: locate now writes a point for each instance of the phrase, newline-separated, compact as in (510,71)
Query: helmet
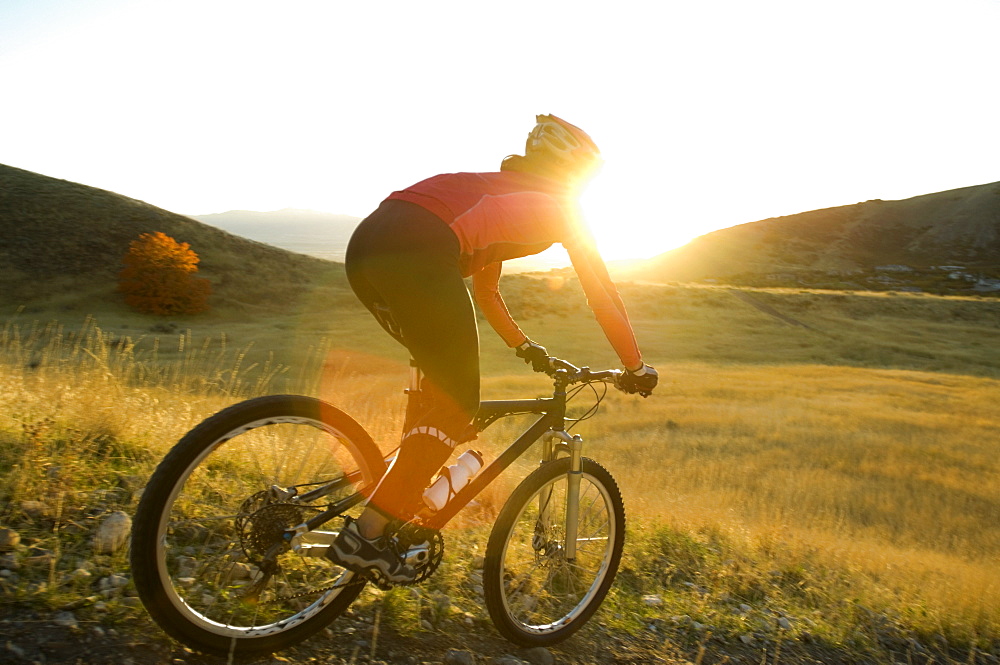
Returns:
(565,143)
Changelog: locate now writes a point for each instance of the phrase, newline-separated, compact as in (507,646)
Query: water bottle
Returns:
(453,479)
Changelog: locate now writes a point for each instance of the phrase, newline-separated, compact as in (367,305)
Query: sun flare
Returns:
(627,225)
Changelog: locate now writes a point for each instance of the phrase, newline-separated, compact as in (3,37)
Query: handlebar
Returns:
(576,374)
(571,374)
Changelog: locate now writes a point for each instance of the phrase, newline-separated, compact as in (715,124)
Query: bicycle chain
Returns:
(310,592)
(255,535)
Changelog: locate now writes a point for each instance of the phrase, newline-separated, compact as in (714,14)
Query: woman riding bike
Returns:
(407,262)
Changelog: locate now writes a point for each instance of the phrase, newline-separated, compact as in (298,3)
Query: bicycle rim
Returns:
(224,517)
(541,595)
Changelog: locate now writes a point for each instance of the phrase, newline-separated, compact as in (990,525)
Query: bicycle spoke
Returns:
(544,592)
(211,563)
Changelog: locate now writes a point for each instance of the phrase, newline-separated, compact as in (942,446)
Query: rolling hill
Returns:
(960,227)
(66,240)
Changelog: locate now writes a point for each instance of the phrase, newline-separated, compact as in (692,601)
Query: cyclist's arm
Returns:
(604,300)
(486,291)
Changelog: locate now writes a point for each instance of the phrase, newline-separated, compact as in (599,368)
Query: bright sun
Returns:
(628,226)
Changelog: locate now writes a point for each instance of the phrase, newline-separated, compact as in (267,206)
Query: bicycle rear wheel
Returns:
(208,555)
(535,594)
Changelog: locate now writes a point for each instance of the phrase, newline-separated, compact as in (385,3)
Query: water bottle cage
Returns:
(446,473)
(446,486)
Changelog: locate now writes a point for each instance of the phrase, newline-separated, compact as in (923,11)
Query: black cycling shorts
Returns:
(403,263)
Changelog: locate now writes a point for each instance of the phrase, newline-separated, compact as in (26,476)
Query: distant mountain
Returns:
(62,239)
(325,235)
(960,227)
(320,234)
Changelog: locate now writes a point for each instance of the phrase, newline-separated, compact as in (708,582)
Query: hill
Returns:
(65,241)
(960,227)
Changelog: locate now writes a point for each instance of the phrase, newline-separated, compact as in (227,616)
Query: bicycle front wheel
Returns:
(210,558)
(537,594)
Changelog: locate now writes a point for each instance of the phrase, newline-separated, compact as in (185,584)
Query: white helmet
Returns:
(565,143)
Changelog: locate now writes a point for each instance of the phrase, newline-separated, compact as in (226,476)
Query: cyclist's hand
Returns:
(534,355)
(641,381)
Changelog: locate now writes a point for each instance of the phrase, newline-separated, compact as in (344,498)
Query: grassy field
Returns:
(815,467)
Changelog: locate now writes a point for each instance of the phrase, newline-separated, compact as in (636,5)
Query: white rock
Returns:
(538,656)
(113,533)
(34,509)
(240,571)
(186,566)
(65,619)
(459,657)
(652,600)
(9,539)
(112,582)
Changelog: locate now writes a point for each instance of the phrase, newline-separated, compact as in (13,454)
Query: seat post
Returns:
(415,405)
(416,376)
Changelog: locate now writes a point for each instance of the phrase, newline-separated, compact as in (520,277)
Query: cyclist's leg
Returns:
(435,314)
(403,265)
(445,346)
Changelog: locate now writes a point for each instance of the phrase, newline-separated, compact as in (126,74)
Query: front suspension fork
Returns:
(573,447)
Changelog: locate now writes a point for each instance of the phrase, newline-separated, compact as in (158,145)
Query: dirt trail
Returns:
(767,309)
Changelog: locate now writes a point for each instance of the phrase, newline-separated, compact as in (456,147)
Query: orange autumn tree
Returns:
(160,277)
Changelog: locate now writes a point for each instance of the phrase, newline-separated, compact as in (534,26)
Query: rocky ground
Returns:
(88,614)
(109,627)
(43,638)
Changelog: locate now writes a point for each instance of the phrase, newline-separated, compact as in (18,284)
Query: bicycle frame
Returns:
(552,422)
(552,412)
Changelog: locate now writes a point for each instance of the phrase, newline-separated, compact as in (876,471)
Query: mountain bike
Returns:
(230,535)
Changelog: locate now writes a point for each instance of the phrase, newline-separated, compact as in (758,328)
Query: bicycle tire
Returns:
(208,516)
(535,596)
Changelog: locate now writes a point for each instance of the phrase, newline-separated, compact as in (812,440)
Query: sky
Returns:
(708,114)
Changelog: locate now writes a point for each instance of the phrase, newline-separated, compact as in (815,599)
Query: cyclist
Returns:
(407,262)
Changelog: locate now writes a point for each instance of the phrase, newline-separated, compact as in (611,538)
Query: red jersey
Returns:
(507,215)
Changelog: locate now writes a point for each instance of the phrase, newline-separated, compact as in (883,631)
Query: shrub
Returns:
(160,277)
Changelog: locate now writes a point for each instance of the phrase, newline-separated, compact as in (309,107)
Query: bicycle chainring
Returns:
(435,544)
(421,543)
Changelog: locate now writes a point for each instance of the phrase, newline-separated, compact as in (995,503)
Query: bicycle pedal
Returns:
(376,577)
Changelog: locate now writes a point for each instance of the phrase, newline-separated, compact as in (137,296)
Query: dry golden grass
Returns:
(892,474)
(888,476)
